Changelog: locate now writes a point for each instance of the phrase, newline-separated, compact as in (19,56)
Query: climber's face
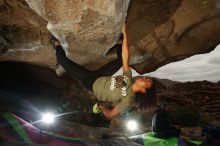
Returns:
(143,84)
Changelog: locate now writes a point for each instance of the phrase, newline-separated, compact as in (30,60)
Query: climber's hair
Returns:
(148,98)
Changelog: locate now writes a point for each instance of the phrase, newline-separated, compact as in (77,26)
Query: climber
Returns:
(119,91)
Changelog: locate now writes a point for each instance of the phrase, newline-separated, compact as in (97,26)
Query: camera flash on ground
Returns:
(48,118)
(132,125)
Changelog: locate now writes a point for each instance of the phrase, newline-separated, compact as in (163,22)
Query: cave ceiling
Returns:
(159,32)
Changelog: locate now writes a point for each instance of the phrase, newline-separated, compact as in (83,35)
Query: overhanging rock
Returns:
(159,32)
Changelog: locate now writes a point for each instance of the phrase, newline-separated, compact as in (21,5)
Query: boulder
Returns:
(164,31)
(159,32)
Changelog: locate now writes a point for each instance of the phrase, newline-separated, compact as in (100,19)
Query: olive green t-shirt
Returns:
(115,89)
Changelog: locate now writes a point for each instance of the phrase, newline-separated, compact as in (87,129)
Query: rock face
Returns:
(87,28)
(159,31)
(169,30)
(23,34)
(202,95)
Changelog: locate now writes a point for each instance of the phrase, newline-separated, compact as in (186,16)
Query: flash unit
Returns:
(48,118)
(132,125)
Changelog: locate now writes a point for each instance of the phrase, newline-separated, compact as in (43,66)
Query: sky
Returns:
(195,68)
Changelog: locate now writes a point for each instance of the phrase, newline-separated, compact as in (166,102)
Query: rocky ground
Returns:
(190,105)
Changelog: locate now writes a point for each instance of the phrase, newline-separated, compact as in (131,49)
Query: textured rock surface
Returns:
(203,95)
(168,30)
(23,34)
(87,28)
(159,31)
